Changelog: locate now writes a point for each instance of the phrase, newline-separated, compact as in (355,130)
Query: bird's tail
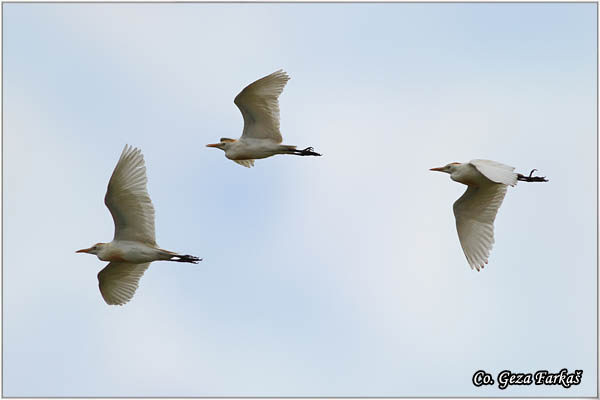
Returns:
(531,178)
(287,148)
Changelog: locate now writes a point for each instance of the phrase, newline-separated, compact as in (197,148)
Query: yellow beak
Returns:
(437,169)
(213,145)
(84,250)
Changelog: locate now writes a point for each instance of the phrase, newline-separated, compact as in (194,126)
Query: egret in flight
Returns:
(476,209)
(261,137)
(134,246)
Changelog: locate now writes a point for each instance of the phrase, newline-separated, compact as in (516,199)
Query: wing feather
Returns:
(118,281)
(259,105)
(475,212)
(245,163)
(495,171)
(128,200)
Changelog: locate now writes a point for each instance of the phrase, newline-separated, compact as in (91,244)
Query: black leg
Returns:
(185,258)
(309,151)
(531,178)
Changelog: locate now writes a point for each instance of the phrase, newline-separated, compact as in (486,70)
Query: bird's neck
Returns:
(104,251)
(467,175)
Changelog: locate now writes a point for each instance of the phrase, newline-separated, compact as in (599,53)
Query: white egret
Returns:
(476,209)
(261,137)
(134,246)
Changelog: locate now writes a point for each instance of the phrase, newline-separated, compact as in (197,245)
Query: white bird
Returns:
(134,246)
(261,137)
(476,209)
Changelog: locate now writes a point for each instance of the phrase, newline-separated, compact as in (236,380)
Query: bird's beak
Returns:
(437,169)
(213,145)
(84,250)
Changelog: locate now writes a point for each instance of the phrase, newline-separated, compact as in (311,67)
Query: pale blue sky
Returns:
(333,276)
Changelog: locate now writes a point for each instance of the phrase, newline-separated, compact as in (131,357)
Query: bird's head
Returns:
(223,144)
(448,168)
(92,250)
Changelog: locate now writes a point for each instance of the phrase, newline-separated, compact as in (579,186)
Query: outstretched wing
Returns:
(260,107)
(118,281)
(495,171)
(128,200)
(475,212)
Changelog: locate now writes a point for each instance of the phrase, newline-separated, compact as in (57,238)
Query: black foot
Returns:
(309,151)
(531,178)
(186,258)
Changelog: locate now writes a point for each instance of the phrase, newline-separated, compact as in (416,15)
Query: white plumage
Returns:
(118,281)
(134,244)
(259,105)
(261,138)
(495,171)
(128,200)
(475,211)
